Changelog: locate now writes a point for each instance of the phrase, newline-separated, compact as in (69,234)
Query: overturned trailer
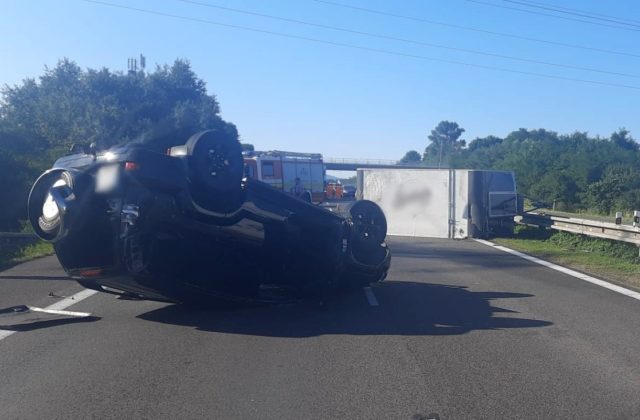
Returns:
(443,203)
(186,224)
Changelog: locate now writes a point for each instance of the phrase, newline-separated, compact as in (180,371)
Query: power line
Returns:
(539,3)
(474,29)
(357,47)
(551,15)
(411,41)
(573,12)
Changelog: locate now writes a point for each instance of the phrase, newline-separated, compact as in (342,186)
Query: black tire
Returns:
(216,169)
(369,225)
(215,161)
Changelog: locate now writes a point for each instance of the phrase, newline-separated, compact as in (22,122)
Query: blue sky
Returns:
(291,94)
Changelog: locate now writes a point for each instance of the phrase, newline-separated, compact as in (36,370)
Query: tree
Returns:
(578,171)
(445,140)
(410,157)
(70,105)
(247,147)
(14,184)
(618,187)
(621,138)
(41,118)
(480,143)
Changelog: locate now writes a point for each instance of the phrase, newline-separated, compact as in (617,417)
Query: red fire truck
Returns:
(280,170)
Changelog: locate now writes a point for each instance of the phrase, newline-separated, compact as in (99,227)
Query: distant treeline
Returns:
(576,171)
(40,119)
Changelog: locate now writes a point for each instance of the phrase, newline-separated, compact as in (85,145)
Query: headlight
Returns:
(49,207)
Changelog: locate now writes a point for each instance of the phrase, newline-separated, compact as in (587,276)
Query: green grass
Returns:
(12,254)
(612,260)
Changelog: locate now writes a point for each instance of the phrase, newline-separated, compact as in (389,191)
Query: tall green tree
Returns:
(444,141)
(410,157)
(623,139)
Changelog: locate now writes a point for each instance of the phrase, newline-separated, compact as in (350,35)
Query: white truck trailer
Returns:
(442,203)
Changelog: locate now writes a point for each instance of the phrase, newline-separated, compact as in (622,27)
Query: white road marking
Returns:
(368,292)
(5,333)
(66,302)
(565,270)
(59,307)
(58,312)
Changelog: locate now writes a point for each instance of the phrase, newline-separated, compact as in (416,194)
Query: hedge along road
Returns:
(460,329)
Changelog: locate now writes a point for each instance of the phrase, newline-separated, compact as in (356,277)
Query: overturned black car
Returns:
(186,225)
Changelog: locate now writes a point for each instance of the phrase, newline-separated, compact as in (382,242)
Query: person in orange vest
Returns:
(330,191)
(339,191)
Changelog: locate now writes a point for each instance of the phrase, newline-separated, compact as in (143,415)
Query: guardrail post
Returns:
(636,218)
(618,218)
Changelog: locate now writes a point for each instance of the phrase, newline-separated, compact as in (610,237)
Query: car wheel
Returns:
(216,168)
(369,225)
(215,161)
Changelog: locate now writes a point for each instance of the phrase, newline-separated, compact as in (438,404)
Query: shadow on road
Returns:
(406,308)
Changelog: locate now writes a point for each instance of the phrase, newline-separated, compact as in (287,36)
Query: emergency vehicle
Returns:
(280,170)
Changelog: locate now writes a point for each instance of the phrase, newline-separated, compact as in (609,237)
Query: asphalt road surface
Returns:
(460,330)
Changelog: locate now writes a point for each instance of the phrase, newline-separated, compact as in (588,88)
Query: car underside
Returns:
(186,226)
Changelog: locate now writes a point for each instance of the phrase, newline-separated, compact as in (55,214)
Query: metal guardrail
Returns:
(594,228)
(9,240)
(346,164)
(361,161)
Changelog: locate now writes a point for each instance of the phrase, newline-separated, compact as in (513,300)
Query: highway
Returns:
(459,329)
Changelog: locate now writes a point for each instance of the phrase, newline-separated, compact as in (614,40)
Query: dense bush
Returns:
(575,171)
(620,250)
